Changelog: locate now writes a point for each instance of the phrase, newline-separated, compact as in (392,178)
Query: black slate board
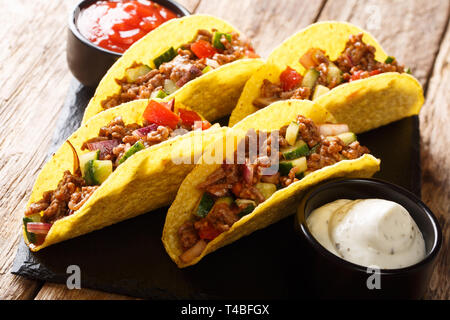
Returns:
(129,258)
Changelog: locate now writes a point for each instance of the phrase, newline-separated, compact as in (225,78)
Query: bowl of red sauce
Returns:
(100,31)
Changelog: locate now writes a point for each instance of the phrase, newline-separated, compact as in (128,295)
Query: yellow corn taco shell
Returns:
(363,104)
(281,204)
(213,94)
(147,180)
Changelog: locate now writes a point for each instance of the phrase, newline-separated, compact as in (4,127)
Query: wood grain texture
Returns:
(409,30)
(267,23)
(32,94)
(435,161)
(191,5)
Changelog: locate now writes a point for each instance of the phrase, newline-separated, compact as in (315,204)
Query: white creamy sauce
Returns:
(368,232)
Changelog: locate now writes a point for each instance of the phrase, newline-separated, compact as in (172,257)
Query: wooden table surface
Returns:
(34,80)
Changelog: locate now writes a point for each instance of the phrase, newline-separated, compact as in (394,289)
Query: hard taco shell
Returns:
(213,94)
(147,180)
(363,104)
(281,204)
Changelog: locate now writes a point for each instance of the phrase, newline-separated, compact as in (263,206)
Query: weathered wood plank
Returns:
(17,288)
(409,30)
(30,100)
(191,5)
(435,140)
(267,23)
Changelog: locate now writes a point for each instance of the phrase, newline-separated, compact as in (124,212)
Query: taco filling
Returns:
(235,190)
(176,67)
(115,143)
(357,61)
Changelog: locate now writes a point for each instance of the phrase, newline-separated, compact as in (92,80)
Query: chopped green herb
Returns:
(216,39)
(389,59)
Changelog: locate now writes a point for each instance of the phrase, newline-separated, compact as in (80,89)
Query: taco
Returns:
(121,163)
(200,60)
(297,144)
(340,67)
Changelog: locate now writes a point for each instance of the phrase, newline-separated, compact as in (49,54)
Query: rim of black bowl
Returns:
(395,188)
(169,4)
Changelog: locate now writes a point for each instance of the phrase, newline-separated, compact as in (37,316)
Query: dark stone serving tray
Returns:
(129,258)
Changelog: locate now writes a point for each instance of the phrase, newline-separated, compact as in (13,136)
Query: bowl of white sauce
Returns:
(367,238)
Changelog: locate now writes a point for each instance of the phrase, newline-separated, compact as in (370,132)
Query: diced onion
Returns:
(247,173)
(275,178)
(193,252)
(332,129)
(38,227)
(142,132)
(198,125)
(212,63)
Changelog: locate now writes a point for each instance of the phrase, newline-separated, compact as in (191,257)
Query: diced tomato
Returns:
(169,105)
(251,54)
(188,117)
(201,125)
(159,114)
(206,125)
(357,75)
(208,232)
(203,49)
(308,60)
(361,74)
(237,188)
(289,79)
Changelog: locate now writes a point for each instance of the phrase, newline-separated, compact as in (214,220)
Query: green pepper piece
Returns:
(216,39)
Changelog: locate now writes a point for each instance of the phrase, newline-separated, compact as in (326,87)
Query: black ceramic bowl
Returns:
(88,62)
(332,277)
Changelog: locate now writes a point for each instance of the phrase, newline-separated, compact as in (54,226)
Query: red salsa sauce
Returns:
(116,25)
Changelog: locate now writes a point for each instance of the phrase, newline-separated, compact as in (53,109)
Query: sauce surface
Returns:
(116,25)
(369,232)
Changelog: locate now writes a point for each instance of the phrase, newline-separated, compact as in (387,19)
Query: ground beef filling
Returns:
(228,180)
(72,191)
(357,61)
(185,67)
(70,194)
(359,56)
(124,137)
